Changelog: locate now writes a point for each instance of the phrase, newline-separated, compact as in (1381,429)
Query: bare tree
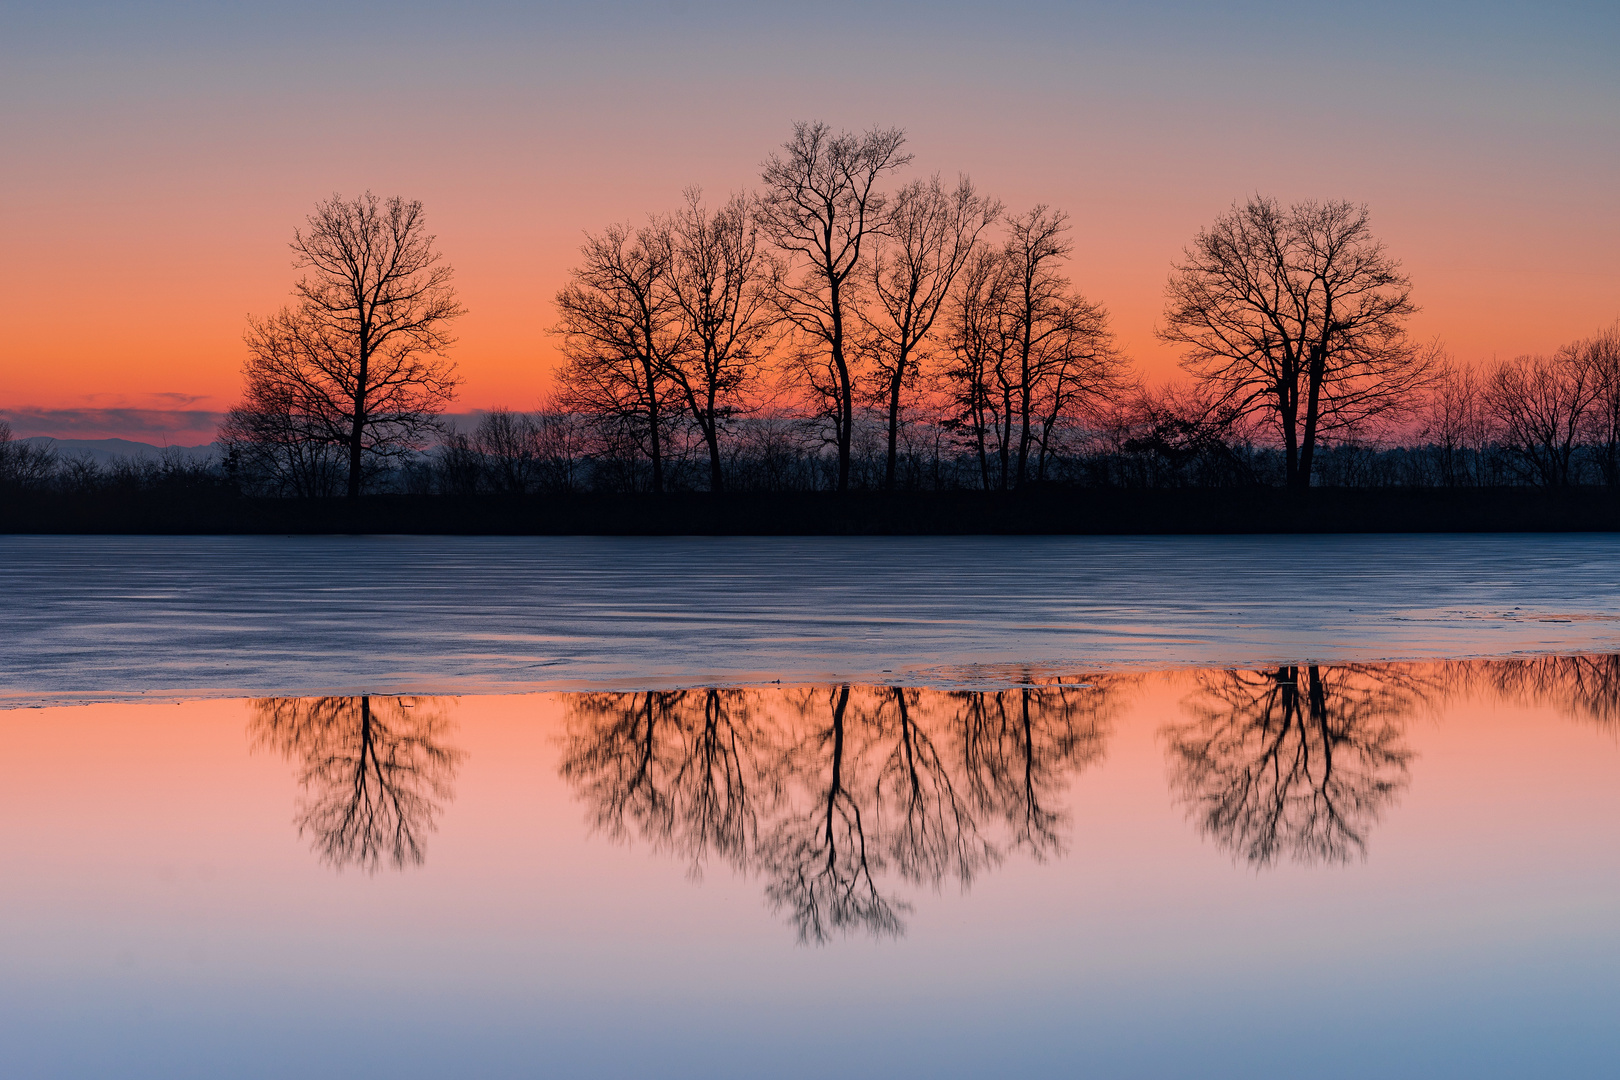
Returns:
(1020,748)
(930,236)
(508,444)
(1454,424)
(979,336)
(621,331)
(1541,405)
(722,284)
(560,440)
(822,205)
(1600,355)
(1296,315)
(23,465)
(1300,761)
(359,358)
(1028,354)
(688,770)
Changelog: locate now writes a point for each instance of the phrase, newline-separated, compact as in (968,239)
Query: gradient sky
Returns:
(158,156)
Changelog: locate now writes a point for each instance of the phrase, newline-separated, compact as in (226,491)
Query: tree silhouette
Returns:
(1542,407)
(723,283)
(933,830)
(826,792)
(931,236)
(1297,316)
(1580,686)
(686,770)
(819,861)
(1019,747)
(358,362)
(1298,762)
(621,329)
(375,772)
(821,207)
(1026,352)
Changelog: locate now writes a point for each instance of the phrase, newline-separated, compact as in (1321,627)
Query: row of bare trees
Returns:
(1549,415)
(845,298)
(837,795)
(1291,319)
(854,317)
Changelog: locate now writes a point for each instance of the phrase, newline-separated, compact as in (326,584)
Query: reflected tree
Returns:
(818,858)
(1019,747)
(375,772)
(684,769)
(1299,762)
(827,792)
(1582,686)
(933,831)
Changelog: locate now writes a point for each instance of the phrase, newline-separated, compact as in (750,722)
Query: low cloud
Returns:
(179,427)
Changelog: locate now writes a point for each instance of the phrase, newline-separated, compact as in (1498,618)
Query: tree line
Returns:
(840,327)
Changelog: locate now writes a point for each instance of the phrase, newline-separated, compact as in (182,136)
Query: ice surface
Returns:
(142,616)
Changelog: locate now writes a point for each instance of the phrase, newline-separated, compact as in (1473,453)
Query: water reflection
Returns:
(838,790)
(844,800)
(1299,762)
(1586,687)
(375,772)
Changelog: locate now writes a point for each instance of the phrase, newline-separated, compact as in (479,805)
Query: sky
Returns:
(155,158)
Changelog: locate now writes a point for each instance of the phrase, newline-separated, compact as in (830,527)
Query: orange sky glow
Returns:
(150,190)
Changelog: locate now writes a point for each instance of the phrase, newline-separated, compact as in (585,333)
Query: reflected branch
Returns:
(680,768)
(827,792)
(1298,762)
(1580,686)
(375,772)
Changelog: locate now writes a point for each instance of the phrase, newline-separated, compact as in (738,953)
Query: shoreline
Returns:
(1050,511)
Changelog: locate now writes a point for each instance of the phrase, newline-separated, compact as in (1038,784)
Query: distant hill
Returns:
(106,451)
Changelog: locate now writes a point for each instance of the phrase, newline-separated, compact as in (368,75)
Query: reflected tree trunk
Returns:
(375,772)
(1300,762)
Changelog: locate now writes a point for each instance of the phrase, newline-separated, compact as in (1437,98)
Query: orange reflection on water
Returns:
(841,805)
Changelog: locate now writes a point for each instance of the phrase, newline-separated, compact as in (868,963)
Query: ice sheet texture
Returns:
(137,616)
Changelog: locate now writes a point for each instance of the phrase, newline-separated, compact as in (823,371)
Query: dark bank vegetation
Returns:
(848,350)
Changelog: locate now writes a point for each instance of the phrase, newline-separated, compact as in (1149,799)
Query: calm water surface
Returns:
(1131,854)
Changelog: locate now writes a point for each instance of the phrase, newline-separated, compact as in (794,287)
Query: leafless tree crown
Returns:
(822,205)
(1297,315)
(357,363)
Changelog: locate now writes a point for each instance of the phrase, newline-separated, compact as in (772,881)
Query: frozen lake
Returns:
(122,617)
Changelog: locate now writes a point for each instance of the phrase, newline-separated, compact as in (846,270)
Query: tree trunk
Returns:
(1286,407)
(894,421)
(1315,373)
(712,434)
(654,443)
(846,401)
(357,434)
